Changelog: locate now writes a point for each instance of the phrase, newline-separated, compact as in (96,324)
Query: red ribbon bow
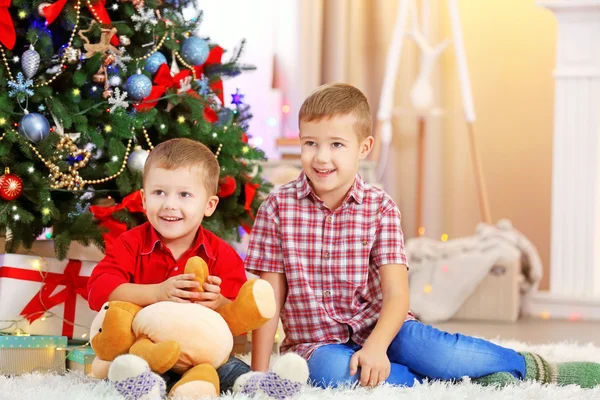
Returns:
(52,11)
(164,80)
(44,299)
(8,36)
(133,203)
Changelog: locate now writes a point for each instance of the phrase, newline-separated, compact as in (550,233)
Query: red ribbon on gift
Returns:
(8,36)
(44,300)
(133,203)
(52,11)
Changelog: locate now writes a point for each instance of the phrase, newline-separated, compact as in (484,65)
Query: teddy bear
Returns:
(187,338)
(131,376)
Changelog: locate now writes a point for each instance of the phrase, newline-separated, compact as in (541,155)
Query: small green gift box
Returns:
(22,354)
(80,359)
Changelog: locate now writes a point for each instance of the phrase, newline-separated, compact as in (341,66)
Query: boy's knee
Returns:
(230,371)
(330,367)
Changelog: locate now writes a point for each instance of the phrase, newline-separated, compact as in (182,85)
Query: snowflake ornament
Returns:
(20,87)
(204,88)
(120,59)
(118,100)
(145,19)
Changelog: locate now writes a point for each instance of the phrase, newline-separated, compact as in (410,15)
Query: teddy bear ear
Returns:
(111,333)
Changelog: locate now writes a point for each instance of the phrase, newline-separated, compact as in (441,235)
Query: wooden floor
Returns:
(534,331)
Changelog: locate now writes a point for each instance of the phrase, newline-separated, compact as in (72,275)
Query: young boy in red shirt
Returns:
(146,263)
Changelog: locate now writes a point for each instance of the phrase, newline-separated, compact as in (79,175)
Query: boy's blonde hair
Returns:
(177,153)
(338,99)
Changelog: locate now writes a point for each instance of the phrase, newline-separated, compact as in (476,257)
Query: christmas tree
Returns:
(88,88)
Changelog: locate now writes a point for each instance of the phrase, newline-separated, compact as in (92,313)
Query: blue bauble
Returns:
(195,50)
(139,86)
(34,127)
(154,62)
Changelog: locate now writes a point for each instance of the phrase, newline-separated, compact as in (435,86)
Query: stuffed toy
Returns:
(187,338)
(287,377)
(132,378)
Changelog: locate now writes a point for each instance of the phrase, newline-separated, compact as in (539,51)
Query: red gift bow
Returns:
(8,36)
(164,80)
(52,11)
(43,300)
(133,203)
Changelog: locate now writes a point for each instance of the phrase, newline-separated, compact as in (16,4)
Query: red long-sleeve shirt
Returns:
(138,256)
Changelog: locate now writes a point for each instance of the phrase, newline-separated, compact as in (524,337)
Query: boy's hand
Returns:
(175,289)
(374,363)
(211,297)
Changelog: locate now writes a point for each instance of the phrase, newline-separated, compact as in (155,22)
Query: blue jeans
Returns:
(228,373)
(419,351)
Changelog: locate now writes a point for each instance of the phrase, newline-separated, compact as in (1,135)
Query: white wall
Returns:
(227,22)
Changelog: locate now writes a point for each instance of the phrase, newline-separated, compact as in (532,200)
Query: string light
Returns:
(444,237)
(427,289)
(574,317)
(22,14)
(245,149)
(2,121)
(444,268)
(286,109)
(545,315)
(272,121)
(108,129)
(46,211)
(84,335)
(76,92)
(421,230)
(181,119)
(36,265)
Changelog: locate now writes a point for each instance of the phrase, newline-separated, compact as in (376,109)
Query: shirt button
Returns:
(326,256)
(329,219)
(327,293)
(175,269)
(365,242)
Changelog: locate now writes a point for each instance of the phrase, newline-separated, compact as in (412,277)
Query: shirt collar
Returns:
(357,191)
(153,241)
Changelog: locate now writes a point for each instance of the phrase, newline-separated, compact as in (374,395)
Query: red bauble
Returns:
(227,186)
(11,186)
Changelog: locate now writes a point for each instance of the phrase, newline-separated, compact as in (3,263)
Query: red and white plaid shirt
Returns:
(330,259)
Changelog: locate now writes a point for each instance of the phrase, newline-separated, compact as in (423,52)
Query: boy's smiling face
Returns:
(330,155)
(176,201)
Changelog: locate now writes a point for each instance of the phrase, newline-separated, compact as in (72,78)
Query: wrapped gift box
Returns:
(80,359)
(26,354)
(45,296)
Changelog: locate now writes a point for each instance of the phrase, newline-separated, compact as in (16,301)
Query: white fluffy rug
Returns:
(76,387)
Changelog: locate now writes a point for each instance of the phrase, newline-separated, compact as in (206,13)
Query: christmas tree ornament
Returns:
(34,127)
(137,159)
(109,59)
(108,93)
(77,158)
(30,62)
(99,77)
(154,62)
(138,86)
(72,55)
(11,186)
(124,40)
(195,50)
(40,9)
